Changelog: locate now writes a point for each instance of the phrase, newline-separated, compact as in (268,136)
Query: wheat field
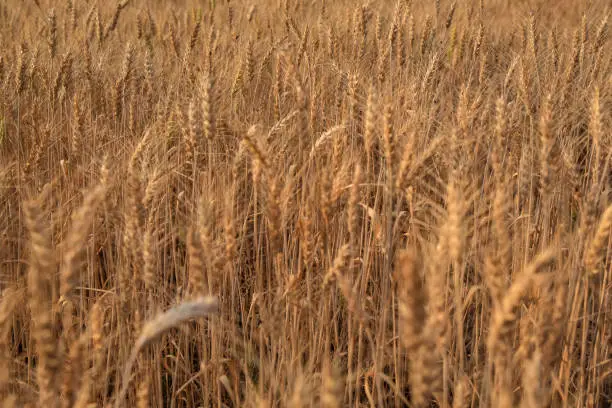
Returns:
(291,203)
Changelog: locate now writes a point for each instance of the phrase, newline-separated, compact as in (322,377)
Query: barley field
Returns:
(292,203)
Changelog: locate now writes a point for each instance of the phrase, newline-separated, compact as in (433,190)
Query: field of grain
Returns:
(292,203)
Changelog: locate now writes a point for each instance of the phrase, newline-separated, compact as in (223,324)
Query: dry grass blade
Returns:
(154,329)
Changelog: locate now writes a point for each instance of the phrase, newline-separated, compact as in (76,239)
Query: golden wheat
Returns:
(395,203)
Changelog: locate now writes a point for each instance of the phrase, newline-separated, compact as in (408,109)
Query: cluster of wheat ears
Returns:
(292,203)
